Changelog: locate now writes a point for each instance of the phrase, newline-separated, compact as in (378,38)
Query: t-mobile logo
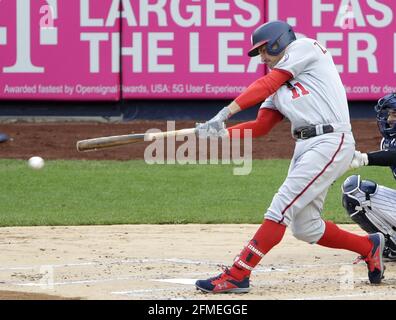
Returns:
(48,35)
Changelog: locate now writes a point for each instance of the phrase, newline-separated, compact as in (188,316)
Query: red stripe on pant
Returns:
(314,179)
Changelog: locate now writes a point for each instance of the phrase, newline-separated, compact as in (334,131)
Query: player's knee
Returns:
(309,230)
(302,236)
(306,237)
(310,233)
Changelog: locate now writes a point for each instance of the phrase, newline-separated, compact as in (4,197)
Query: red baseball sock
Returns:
(267,236)
(334,237)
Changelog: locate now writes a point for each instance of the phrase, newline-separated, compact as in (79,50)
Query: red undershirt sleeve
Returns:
(265,121)
(262,88)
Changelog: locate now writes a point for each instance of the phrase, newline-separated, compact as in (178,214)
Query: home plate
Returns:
(178,281)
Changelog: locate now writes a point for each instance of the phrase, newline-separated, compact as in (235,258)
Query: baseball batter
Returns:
(373,206)
(303,86)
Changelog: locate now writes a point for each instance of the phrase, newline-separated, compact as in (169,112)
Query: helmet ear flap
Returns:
(275,46)
(272,47)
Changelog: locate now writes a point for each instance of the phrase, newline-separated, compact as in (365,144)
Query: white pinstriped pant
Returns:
(383,209)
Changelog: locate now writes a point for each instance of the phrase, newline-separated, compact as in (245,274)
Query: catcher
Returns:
(372,206)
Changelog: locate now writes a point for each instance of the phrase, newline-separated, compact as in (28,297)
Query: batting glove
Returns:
(359,160)
(204,131)
(217,122)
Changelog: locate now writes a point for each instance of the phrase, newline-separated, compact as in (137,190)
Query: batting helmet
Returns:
(382,108)
(277,35)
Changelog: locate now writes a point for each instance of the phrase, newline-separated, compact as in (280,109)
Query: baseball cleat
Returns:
(389,255)
(374,260)
(223,283)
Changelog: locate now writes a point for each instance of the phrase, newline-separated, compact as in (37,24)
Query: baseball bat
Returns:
(115,141)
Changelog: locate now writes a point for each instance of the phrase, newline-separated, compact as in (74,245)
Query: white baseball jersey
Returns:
(316,94)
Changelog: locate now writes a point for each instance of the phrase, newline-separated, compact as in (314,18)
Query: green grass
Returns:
(111,192)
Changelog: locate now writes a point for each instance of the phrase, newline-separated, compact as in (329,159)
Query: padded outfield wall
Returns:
(149,51)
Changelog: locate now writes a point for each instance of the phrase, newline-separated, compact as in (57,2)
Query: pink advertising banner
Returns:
(59,50)
(82,50)
(361,35)
(189,49)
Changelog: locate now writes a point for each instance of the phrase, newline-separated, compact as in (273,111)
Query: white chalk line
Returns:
(291,281)
(178,281)
(169,260)
(144,292)
(48,265)
(39,283)
(109,263)
(89,281)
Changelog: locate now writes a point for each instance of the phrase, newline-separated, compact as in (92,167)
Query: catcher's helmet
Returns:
(382,108)
(277,35)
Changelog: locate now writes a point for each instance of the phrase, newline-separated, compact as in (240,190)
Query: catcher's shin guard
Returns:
(357,200)
(353,190)
(358,214)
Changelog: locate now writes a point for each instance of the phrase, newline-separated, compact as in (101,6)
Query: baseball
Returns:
(36,162)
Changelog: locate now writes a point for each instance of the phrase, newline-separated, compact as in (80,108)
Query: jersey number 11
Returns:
(296,95)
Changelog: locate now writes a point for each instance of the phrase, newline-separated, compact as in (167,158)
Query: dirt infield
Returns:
(58,140)
(163,261)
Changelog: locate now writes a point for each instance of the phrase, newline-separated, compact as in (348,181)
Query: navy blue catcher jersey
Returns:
(389,144)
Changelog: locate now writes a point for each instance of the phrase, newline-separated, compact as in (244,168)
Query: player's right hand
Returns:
(206,131)
(359,160)
(217,122)
(215,127)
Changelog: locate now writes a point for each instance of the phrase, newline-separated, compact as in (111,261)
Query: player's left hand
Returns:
(359,160)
